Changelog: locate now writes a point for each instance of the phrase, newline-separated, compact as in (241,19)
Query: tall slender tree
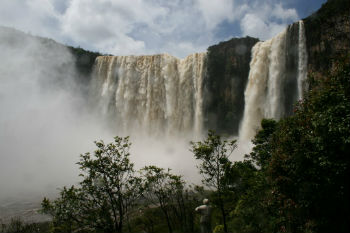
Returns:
(162,188)
(214,155)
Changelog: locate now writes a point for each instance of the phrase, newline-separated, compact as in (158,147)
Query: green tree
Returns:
(300,179)
(163,189)
(17,225)
(106,194)
(309,165)
(214,154)
(261,152)
(254,210)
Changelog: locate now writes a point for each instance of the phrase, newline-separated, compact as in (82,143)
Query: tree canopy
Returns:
(104,197)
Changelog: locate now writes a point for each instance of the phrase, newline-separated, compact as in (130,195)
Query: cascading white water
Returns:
(158,94)
(162,94)
(267,85)
(302,61)
(263,92)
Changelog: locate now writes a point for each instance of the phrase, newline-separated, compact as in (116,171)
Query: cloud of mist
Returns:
(46,123)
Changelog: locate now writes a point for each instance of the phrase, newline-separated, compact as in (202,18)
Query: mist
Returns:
(46,122)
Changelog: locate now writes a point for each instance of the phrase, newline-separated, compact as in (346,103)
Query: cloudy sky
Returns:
(178,27)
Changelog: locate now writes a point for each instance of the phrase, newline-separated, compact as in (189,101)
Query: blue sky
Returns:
(178,27)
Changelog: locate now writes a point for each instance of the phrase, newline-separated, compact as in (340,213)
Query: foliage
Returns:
(16,225)
(168,191)
(299,182)
(215,165)
(112,198)
(310,163)
(180,210)
(162,187)
(150,220)
(107,193)
(261,152)
(253,210)
(219,229)
(214,156)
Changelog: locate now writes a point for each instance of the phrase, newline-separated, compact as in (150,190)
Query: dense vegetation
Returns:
(294,180)
(304,164)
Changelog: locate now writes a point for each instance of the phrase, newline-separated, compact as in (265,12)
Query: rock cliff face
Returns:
(328,35)
(227,75)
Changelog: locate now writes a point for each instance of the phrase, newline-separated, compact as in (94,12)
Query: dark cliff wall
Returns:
(84,62)
(328,34)
(290,85)
(227,75)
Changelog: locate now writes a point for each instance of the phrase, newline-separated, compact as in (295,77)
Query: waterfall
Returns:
(302,61)
(277,78)
(161,94)
(263,93)
(156,94)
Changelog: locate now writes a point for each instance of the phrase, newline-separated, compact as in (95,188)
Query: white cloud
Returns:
(284,14)
(144,27)
(183,48)
(106,25)
(214,12)
(253,25)
(124,45)
(266,21)
(36,16)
